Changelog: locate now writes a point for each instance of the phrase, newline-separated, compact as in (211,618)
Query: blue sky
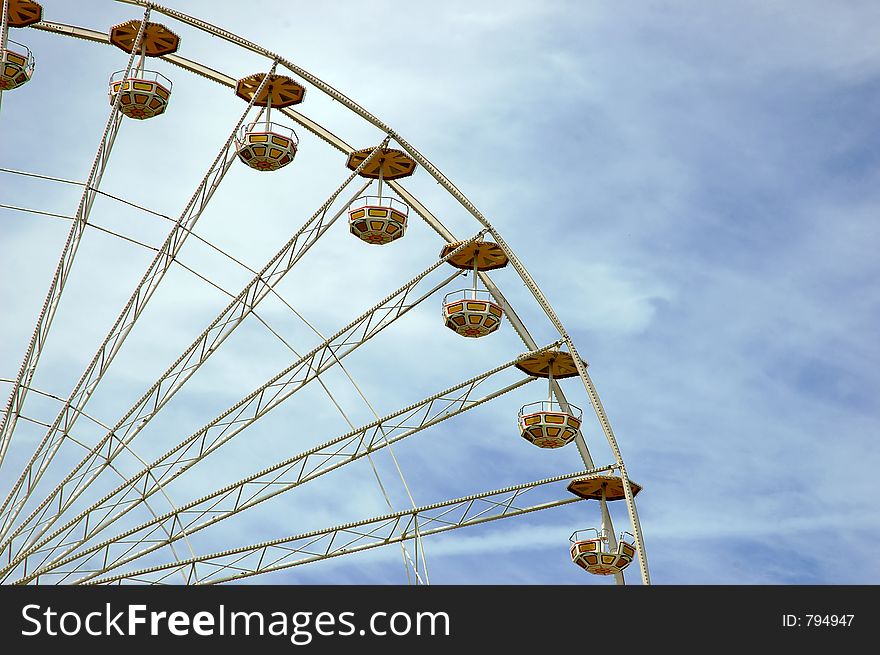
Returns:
(693,186)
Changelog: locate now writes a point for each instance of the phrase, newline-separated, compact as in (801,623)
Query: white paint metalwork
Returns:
(35,550)
(350,538)
(62,271)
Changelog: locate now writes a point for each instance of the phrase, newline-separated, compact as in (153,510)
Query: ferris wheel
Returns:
(106,481)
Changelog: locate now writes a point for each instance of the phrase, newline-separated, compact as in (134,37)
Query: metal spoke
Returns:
(123,325)
(255,405)
(62,271)
(186,365)
(100,424)
(355,537)
(296,471)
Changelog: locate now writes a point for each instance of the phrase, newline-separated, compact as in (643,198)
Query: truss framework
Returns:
(124,323)
(287,552)
(173,379)
(291,473)
(244,413)
(28,368)
(430,219)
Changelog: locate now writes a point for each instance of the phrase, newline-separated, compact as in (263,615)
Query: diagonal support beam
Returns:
(295,471)
(28,368)
(173,379)
(243,414)
(279,554)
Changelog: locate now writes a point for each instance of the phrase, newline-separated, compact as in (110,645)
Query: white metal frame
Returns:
(70,543)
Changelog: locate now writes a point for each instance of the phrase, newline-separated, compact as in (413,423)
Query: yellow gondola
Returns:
(142,93)
(594,556)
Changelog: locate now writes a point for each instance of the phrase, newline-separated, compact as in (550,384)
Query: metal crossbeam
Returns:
(28,367)
(293,472)
(244,413)
(112,343)
(279,554)
(430,219)
(173,379)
